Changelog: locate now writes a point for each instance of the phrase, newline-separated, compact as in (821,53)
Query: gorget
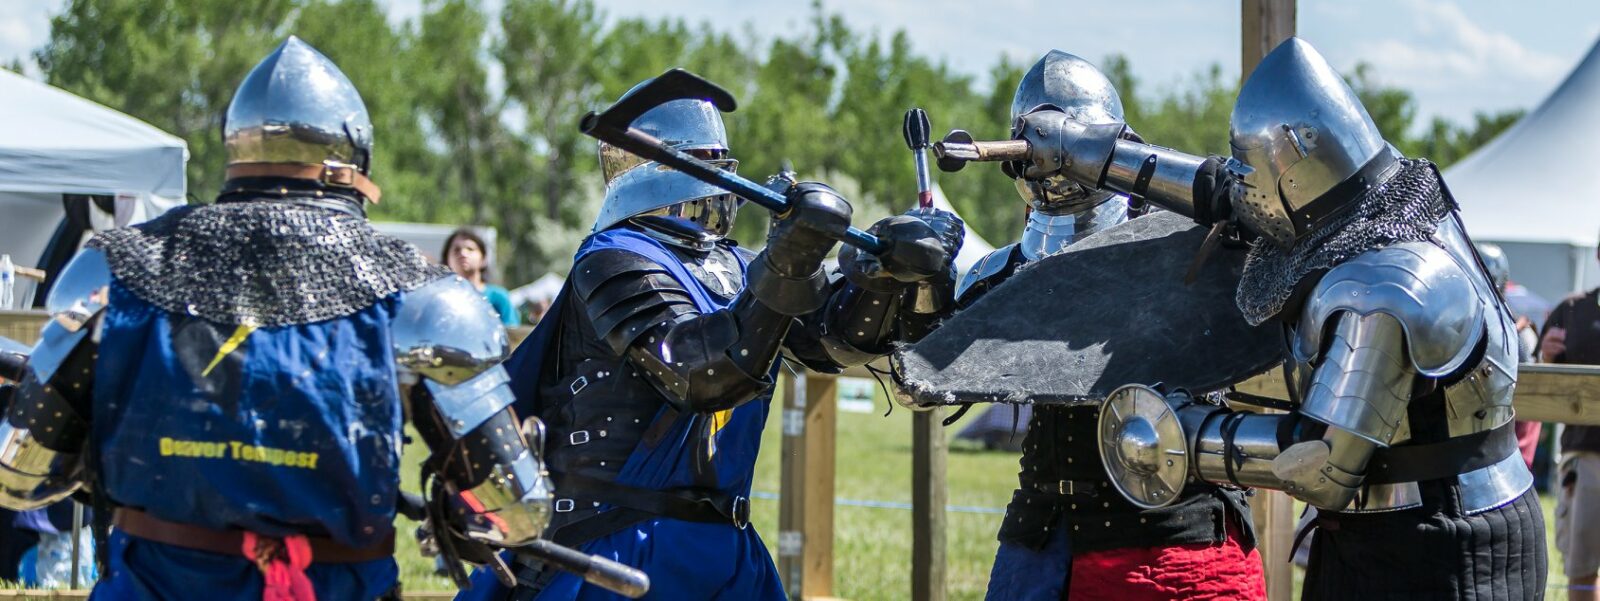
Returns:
(1406,208)
(263,263)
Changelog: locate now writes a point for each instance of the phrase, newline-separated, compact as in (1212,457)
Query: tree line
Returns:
(475,111)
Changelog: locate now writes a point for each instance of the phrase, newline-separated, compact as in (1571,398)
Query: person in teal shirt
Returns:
(464,251)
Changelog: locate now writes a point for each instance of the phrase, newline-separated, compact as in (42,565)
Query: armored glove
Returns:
(1214,190)
(788,276)
(922,245)
(802,236)
(1061,145)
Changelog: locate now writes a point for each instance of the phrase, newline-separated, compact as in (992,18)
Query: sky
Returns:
(1457,57)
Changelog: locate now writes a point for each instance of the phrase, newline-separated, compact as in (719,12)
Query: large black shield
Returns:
(1111,310)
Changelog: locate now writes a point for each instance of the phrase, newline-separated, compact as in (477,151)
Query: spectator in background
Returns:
(467,255)
(1572,335)
(1499,267)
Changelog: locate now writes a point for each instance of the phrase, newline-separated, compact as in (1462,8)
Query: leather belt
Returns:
(231,542)
(1068,488)
(332,174)
(1451,457)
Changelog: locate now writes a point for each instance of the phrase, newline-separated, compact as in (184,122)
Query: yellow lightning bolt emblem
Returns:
(231,344)
(718,420)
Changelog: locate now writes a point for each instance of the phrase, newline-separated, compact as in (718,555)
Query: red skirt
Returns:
(1194,571)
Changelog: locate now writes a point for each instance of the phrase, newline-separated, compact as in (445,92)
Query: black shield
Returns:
(1111,310)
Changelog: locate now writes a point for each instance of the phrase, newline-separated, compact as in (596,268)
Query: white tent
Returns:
(1535,189)
(974,247)
(54,143)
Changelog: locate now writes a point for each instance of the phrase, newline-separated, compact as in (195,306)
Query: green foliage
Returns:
(475,110)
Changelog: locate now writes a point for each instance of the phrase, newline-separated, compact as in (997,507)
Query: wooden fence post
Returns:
(805,514)
(929,495)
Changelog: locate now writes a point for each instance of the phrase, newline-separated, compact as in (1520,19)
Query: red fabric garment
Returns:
(1528,439)
(283,566)
(1191,572)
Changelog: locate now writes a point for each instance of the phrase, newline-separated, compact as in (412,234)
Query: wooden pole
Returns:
(1263,24)
(929,495)
(805,514)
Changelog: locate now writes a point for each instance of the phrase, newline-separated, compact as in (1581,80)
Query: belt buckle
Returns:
(338,174)
(1064,487)
(741,512)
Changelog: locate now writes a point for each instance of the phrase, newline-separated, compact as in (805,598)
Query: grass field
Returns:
(872,546)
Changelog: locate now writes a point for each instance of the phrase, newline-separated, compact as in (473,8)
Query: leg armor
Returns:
(449,345)
(44,430)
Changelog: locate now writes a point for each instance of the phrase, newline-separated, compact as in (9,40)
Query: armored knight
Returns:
(1066,533)
(229,379)
(1401,355)
(655,365)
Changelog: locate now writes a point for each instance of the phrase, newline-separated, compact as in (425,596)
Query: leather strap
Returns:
(1459,455)
(332,174)
(230,542)
(1070,488)
(689,505)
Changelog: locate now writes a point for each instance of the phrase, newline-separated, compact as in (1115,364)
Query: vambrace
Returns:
(713,361)
(1162,176)
(490,472)
(448,347)
(1100,156)
(858,325)
(1354,403)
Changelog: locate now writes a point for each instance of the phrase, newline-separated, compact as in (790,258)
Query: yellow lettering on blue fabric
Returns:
(718,421)
(236,451)
(231,344)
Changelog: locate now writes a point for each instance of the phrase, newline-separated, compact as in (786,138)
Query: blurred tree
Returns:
(475,104)
(173,63)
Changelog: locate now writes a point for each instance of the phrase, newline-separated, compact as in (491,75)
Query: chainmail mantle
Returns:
(1406,208)
(262,263)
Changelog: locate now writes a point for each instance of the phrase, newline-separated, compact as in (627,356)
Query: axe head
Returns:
(675,84)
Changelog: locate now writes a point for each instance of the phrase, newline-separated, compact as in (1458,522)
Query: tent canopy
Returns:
(1534,189)
(54,142)
(1537,182)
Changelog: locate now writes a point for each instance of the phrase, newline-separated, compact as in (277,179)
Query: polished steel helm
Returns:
(664,200)
(296,106)
(1495,261)
(1066,83)
(1303,144)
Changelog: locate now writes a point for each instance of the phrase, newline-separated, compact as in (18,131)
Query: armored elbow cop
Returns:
(449,348)
(40,442)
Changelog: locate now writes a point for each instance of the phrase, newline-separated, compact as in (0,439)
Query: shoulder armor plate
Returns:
(1419,284)
(594,270)
(446,332)
(986,268)
(79,294)
(80,290)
